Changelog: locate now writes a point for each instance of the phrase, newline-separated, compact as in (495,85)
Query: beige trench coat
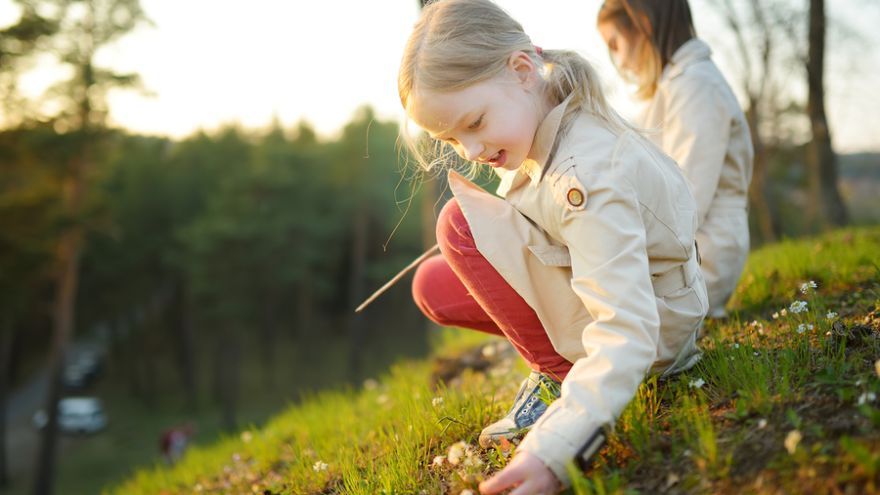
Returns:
(699,123)
(601,246)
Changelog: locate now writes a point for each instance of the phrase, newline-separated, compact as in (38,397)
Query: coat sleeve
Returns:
(696,134)
(610,275)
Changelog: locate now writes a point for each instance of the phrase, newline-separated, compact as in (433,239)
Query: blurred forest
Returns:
(194,259)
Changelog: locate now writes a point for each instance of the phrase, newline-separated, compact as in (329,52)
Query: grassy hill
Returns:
(785,400)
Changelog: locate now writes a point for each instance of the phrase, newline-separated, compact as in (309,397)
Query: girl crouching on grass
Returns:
(586,262)
(696,120)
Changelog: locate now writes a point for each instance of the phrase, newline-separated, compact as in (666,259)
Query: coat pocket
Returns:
(551,255)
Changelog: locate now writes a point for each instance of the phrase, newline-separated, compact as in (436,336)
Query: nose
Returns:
(471,151)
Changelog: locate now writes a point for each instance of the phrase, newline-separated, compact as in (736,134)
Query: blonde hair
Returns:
(659,27)
(458,43)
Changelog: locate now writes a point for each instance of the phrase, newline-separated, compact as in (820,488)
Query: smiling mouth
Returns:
(498,159)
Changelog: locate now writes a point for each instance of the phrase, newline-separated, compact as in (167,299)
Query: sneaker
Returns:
(535,394)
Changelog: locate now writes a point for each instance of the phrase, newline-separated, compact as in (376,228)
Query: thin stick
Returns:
(397,277)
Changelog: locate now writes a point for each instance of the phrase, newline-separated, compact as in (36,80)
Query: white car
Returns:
(76,415)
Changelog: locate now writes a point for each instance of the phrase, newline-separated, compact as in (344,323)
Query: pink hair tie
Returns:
(539,51)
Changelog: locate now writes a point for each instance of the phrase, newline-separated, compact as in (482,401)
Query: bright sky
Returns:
(210,62)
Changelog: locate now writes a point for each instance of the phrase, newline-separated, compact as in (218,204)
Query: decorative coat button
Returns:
(575,197)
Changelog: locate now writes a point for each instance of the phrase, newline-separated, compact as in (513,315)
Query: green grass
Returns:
(779,404)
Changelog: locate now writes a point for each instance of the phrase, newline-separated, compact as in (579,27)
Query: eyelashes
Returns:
(476,123)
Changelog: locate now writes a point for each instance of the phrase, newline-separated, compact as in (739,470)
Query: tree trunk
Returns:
(829,208)
(67,281)
(356,284)
(757,190)
(6,330)
(268,338)
(184,334)
(228,370)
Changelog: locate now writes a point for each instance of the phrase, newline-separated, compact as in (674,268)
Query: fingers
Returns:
(506,478)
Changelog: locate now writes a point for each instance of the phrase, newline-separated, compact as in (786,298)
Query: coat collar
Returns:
(693,51)
(539,155)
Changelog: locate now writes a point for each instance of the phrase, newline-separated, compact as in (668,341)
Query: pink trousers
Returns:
(460,288)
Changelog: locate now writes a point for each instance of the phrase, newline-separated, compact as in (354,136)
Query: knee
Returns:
(452,227)
(424,286)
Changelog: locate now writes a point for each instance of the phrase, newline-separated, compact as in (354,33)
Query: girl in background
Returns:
(698,122)
(586,262)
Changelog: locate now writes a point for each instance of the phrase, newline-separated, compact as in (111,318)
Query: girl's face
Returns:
(622,46)
(491,122)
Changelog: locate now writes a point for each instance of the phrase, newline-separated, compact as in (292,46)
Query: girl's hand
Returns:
(527,473)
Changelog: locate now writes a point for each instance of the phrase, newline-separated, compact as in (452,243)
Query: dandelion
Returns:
(792,440)
(456,453)
(831,315)
(798,307)
(807,286)
(867,397)
(438,461)
(437,401)
(320,466)
(698,383)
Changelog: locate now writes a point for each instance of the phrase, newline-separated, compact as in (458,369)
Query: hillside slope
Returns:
(785,400)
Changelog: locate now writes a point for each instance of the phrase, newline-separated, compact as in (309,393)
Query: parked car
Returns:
(76,415)
(82,369)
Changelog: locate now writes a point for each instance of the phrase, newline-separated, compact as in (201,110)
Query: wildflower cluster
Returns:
(465,461)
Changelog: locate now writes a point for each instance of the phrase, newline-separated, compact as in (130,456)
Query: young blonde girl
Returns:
(586,262)
(698,121)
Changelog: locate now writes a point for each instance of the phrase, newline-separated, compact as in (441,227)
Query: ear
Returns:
(523,68)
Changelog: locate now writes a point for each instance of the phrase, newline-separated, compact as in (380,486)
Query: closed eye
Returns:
(476,123)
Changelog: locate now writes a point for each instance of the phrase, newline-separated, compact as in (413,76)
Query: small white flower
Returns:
(798,307)
(858,382)
(762,423)
(867,397)
(438,461)
(805,287)
(803,327)
(320,466)
(756,353)
(437,401)
(456,453)
(467,491)
(828,334)
(792,440)
(698,383)
(775,315)
(736,345)
(783,312)
(831,315)
(754,323)
(488,351)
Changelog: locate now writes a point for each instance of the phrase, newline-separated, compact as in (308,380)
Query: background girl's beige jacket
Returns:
(699,123)
(600,243)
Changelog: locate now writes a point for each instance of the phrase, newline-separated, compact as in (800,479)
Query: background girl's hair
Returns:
(664,24)
(457,43)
